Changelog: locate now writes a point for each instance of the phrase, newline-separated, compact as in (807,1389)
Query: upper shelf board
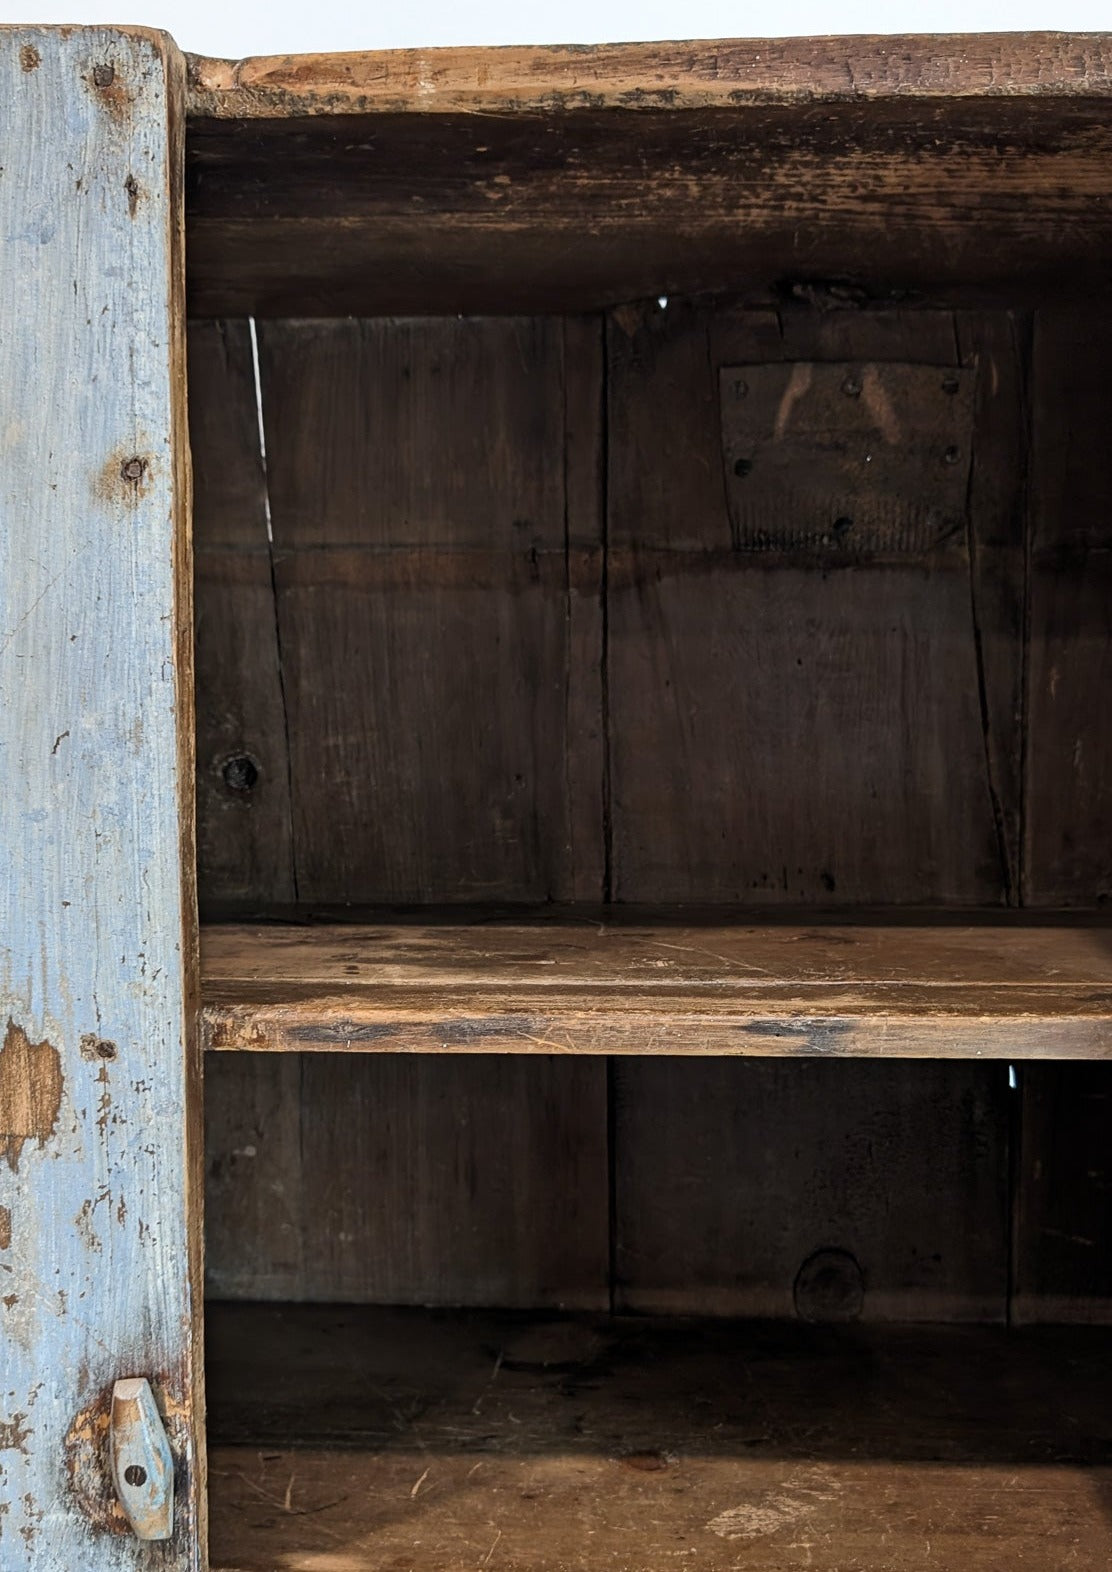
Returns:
(665,983)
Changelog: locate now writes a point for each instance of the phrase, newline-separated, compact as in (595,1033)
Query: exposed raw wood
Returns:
(391,1179)
(100,1068)
(654,983)
(356,1441)
(728,73)
(399,213)
(773,1188)
(807,722)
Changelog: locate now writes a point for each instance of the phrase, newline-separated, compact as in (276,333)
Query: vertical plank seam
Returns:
(607,799)
(1016,1099)
(570,803)
(999,828)
(1025,355)
(608,892)
(257,375)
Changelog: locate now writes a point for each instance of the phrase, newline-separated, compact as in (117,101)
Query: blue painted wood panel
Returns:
(98,1068)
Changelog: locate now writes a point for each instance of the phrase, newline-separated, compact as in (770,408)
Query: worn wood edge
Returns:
(332,1025)
(175,62)
(730,74)
(179,1384)
(185,704)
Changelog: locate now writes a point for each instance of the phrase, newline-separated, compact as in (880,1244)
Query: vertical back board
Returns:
(99,1073)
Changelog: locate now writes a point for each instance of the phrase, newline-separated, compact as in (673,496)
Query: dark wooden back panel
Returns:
(425,564)
(807,722)
(451,572)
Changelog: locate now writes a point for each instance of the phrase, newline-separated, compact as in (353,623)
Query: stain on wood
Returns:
(31,1087)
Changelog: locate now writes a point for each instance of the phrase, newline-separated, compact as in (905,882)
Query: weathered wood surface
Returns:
(1068,850)
(827,1191)
(660,984)
(806,722)
(99,1074)
(395,1179)
(727,73)
(558,179)
(434,500)
(1062,1252)
(349,1441)
(244,831)
(576,211)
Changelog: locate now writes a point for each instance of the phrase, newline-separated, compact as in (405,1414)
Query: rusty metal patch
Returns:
(847,459)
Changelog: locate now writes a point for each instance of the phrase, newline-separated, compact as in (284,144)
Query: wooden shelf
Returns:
(346,1440)
(664,983)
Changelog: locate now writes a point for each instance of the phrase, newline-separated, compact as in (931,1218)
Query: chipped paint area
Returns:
(30,1092)
(89,1468)
(94,656)
(14,1434)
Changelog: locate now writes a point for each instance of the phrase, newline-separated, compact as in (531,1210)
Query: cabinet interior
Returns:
(654,658)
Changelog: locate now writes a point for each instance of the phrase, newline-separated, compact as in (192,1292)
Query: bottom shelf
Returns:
(345,1440)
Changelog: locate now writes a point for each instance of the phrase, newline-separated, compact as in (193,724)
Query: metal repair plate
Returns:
(847,459)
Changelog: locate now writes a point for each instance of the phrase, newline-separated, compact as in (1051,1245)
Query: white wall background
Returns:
(241,27)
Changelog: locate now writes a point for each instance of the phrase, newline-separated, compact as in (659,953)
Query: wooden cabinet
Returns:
(589,570)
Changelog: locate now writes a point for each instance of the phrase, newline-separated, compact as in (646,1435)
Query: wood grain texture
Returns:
(1063,1211)
(680,76)
(257,1215)
(804,724)
(551,210)
(356,1441)
(99,1073)
(1068,849)
(244,832)
(659,983)
(770,1189)
(396,1180)
(434,494)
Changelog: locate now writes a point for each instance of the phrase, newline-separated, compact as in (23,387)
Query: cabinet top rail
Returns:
(727,74)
